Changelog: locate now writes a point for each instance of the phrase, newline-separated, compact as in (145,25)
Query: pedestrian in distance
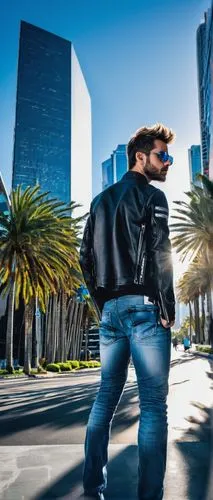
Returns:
(186,343)
(175,343)
(125,258)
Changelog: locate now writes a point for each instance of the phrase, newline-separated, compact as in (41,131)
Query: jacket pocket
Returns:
(141,258)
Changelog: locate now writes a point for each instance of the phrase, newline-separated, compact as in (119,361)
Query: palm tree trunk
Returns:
(79,330)
(190,322)
(38,345)
(75,329)
(70,313)
(85,330)
(9,333)
(54,328)
(209,302)
(197,319)
(28,337)
(203,318)
(63,326)
(48,332)
(57,326)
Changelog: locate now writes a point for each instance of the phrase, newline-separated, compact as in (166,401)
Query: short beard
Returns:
(153,174)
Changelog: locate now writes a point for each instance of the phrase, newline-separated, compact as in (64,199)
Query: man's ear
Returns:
(140,156)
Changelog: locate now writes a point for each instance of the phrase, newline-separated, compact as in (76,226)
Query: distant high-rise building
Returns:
(4,207)
(52,143)
(194,154)
(107,173)
(114,167)
(4,199)
(205,89)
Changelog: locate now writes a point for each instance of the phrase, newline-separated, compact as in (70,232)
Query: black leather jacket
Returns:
(126,243)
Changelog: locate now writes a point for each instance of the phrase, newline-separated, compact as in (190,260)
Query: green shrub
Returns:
(43,362)
(41,369)
(96,364)
(33,371)
(84,364)
(204,348)
(3,372)
(73,363)
(64,367)
(19,372)
(15,372)
(53,367)
(91,364)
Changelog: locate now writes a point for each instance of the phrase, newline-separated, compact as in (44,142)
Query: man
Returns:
(186,343)
(125,258)
(175,343)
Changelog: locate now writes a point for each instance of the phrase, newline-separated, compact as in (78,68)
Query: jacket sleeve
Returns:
(161,255)
(87,262)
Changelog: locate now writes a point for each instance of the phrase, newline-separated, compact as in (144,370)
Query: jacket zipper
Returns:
(141,262)
(164,311)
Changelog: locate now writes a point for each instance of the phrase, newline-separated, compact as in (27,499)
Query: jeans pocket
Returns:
(143,331)
(106,330)
(144,323)
(107,337)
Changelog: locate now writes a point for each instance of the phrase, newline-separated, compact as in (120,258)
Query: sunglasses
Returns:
(164,156)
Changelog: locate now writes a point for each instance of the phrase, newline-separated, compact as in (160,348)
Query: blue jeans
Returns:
(130,328)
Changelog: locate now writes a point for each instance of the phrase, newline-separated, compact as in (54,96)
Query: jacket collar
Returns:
(136,176)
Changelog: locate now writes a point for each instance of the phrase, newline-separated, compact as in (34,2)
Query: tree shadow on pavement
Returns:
(65,485)
(195,446)
(185,358)
(122,479)
(58,408)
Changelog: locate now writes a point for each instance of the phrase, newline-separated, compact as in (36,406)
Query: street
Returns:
(42,429)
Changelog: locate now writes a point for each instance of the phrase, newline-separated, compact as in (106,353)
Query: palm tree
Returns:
(194,226)
(207,184)
(194,283)
(38,256)
(194,239)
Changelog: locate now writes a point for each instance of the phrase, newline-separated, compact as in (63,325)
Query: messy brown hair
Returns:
(143,140)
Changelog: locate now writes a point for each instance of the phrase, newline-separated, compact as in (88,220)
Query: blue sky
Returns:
(139,61)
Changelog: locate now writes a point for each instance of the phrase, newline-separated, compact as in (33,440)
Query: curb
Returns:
(67,374)
(202,354)
(50,375)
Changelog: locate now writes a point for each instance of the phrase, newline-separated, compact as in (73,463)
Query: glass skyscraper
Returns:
(107,173)
(4,207)
(205,89)
(4,199)
(194,154)
(52,143)
(114,167)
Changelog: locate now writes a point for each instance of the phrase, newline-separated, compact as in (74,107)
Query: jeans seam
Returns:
(118,316)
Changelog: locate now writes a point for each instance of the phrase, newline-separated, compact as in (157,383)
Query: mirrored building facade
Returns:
(205,89)
(52,140)
(114,167)
(194,155)
(4,198)
(4,207)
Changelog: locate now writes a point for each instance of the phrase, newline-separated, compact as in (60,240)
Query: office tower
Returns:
(4,199)
(194,154)
(4,207)
(114,167)
(52,143)
(177,316)
(107,173)
(205,89)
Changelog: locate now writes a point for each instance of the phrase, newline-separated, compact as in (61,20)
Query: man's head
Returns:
(147,151)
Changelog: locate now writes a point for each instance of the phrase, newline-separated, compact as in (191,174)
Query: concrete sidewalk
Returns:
(49,472)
